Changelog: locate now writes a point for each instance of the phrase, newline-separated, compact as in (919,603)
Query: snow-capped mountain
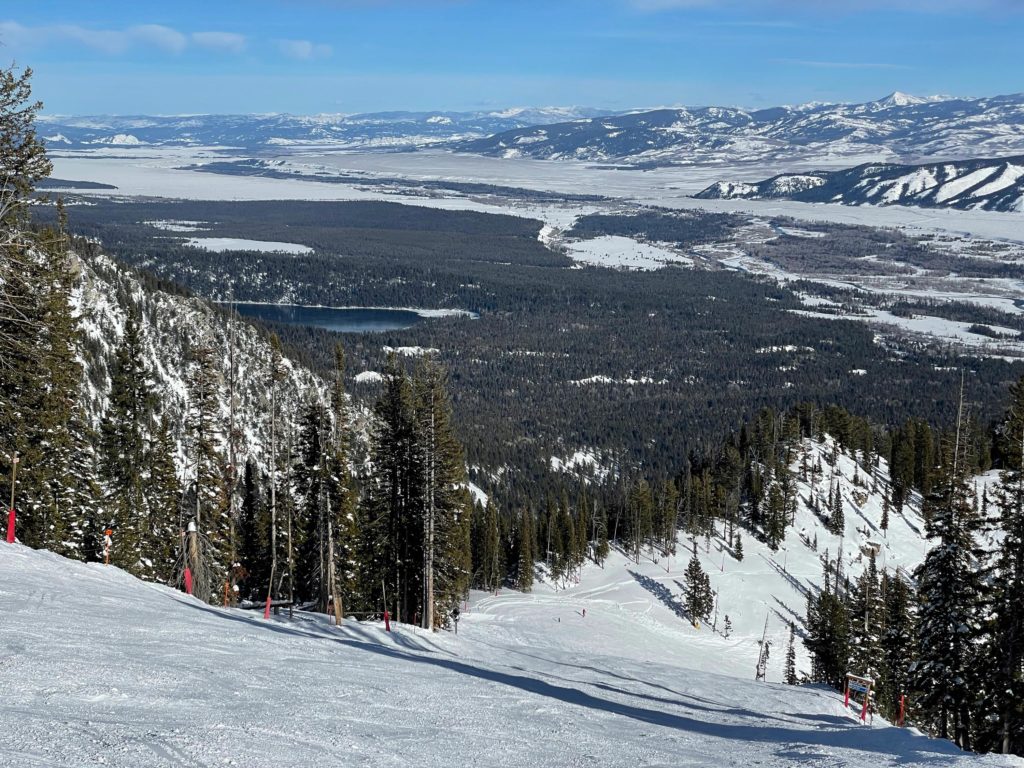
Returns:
(381,129)
(988,185)
(898,127)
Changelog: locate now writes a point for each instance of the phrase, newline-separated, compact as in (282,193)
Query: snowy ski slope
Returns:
(99,668)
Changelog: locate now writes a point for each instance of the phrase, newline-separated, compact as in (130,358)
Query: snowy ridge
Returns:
(171,325)
(983,185)
(895,126)
(374,130)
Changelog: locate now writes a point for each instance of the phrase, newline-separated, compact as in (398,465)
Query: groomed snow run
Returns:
(97,668)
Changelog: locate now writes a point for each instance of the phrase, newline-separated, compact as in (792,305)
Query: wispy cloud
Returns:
(108,41)
(840,64)
(225,42)
(304,50)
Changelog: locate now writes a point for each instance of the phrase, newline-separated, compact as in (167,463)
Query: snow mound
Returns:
(368,377)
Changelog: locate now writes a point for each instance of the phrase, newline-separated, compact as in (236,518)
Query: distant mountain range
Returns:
(382,129)
(988,185)
(899,127)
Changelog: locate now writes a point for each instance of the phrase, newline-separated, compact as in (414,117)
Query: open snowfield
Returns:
(99,668)
(221,244)
(157,173)
(622,253)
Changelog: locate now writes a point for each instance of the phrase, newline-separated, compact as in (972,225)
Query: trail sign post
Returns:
(855,684)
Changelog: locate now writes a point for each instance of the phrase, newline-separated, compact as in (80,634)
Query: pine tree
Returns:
(950,590)
(790,677)
(209,496)
(867,620)
(391,526)
(342,496)
(163,527)
(63,509)
(737,548)
(23,159)
(491,551)
(446,502)
(254,534)
(897,645)
(312,510)
(1005,667)
(527,550)
(828,635)
(837,518)
(124,430)
(775,517)
(699,599)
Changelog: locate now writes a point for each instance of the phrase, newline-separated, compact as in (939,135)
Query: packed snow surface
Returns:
(97,667)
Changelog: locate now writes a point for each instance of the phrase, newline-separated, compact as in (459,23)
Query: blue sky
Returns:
(309,56)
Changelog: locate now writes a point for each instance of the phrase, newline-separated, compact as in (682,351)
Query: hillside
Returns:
(152,677)
(984,185)
(894,127)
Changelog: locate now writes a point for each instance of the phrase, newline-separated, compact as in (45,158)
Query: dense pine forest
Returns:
(197,454)
(526,376)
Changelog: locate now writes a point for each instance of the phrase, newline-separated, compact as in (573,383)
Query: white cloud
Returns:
(841,64)
(164,38)
(225,42)
(108,41)
(304,49)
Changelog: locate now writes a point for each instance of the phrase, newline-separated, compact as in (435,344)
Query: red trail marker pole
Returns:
(12,515)
(266,609)
(188,580)
(903,708)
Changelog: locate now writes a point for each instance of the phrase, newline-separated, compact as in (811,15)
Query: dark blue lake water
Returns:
(339,320)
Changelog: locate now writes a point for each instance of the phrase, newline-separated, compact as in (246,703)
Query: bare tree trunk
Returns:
(332,576)
(291,558)
(273,483)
